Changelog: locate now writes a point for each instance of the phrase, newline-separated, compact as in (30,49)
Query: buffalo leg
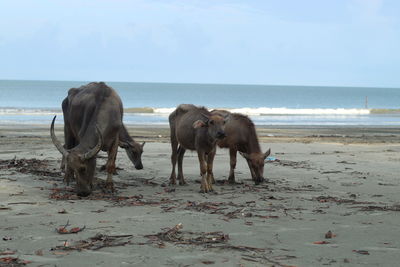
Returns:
(110,165)
(210,161)
(205,186)
(174,155)
(232,161)
(253,174)
(181,153)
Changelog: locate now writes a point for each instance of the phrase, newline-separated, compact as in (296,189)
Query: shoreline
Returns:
(266,134)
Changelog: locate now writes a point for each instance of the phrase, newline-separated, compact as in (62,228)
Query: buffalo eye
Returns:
(211,122)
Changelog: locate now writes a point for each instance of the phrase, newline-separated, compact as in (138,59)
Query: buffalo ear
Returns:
(245,155)
(123,144)
(142,145)
(199,124)
(266,154)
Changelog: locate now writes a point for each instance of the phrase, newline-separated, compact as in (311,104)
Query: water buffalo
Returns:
(132,148)
(92,122)
(195,128)
(241,136)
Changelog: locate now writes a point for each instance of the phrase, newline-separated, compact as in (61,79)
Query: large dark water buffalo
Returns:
(93,122)
(241,136)
(195,128)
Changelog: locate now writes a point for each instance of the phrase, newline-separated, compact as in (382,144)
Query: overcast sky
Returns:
(287,42)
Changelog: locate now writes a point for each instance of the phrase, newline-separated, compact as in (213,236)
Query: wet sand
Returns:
(339,179)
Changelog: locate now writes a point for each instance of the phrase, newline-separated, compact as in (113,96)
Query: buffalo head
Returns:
(134,151)
(81,161)
(215,125)
(256,163)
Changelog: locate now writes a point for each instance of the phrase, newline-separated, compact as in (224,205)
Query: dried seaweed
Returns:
(13,262)
(95,243)
(379,208)
(337,200)
(216,239)
(67,193)
(31,166)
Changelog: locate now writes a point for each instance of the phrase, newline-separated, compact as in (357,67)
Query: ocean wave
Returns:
(29,112)
(262,111)
(288,111)
(283,111)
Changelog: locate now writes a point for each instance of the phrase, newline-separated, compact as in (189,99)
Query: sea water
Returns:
(36,102)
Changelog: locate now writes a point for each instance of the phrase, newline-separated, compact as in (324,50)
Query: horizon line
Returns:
(205,83)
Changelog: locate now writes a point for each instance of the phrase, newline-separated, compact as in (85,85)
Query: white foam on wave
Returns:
(29,112)
(287,111)
(163,110)
(247,111)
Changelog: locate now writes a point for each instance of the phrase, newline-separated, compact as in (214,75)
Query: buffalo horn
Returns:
(57,143)
(91,153)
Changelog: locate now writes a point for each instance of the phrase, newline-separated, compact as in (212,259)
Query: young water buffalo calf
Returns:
(195,128)
(241,136)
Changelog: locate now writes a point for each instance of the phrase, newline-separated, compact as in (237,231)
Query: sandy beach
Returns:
(332,199)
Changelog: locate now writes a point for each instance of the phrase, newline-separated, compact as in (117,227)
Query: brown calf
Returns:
(195,128)
(241,136)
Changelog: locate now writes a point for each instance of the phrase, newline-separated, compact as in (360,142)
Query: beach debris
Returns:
(321,242)
(99,210)
(62,211)
(12,261)
(22,203)
(7,238)
(362,252)
(63,230)
(39,252)
(379,208)
(207,262)
(7,252)
(346,162)
(17,194)
(326,199)
(68,193)
(95,243)
(176,236)
(329,235)
(293,164)
(31,166)
(271,159)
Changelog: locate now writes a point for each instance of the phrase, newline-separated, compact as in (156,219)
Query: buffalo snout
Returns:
(139,166)
(221,134)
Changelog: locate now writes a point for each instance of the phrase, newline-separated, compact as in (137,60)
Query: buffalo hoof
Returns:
(206,189)
(182,183)
(83,193)
(258,181)
(110,187)
(231,181)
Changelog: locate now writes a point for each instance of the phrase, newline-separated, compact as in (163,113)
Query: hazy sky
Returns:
(289,42)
